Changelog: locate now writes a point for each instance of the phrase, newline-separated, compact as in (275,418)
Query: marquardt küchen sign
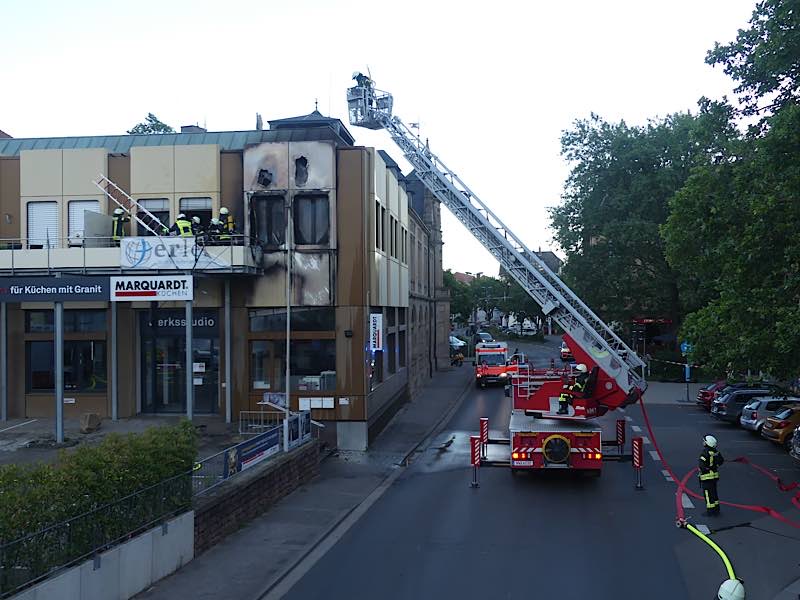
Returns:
(151,288)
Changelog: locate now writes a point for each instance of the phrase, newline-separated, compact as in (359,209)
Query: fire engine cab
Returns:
(491,363)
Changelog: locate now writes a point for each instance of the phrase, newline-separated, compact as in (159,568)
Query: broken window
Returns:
(311,220)
(268,219)
(301,170)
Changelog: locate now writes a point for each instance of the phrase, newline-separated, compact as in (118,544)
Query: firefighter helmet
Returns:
(582,368)
(181,216)
(117,211)
(216,221)
(196,220)
(731,589)
(223,211)
(710,441)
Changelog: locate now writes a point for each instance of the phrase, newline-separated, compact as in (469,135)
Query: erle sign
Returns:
(53,289)
(151,288)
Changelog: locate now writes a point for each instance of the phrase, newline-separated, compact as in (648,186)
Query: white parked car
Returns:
(456,343)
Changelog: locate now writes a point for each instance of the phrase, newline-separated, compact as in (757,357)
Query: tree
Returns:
(461,297)
(765,59)
(616,198)
(151,125)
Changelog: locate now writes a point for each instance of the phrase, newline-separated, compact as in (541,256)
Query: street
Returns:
(553,534)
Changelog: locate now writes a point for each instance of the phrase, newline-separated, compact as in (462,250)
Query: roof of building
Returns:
(416,193)
(313,119)
(390,162)
(3,134)
(227,140)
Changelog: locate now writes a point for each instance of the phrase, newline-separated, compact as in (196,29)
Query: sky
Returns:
(492,84)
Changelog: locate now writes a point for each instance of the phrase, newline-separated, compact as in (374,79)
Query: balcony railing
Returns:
(29,256)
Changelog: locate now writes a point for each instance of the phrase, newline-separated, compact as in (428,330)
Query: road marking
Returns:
(686,502)
(628,418)
(666,475)
(654,454)
(703,529)
(636,428)
(18,425)
(645,440)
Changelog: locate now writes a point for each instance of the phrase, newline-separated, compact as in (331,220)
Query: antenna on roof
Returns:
(259,122)
(316,104)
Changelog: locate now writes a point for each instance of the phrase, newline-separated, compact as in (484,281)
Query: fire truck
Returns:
(538,437)
(491,363)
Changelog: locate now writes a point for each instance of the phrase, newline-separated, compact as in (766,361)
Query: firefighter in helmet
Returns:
(182,227)
(568,392)
(710,461)
(117,225)
(215,231)
(228,224)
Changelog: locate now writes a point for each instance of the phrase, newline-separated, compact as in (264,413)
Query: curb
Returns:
(385,482)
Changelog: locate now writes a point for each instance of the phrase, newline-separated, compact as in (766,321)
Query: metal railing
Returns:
(29,559)
(254,422)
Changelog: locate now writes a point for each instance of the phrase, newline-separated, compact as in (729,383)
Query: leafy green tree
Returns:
(461,297)
(765,58)
(151,124)
(616,198)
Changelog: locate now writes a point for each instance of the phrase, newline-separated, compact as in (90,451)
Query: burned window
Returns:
(311,220)
(301,170)
(268,219)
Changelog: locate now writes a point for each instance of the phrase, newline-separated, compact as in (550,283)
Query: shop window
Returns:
(391,339)
(75,321)
(312,365)
(159,208)
(402,348)
(84,366)
(303,319)
(311,220)
(268,219)
(196,207)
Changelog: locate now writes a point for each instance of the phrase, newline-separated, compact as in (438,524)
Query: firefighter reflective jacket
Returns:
(710,461)
(580,384)
(117,231)
(228,227)
(183,228)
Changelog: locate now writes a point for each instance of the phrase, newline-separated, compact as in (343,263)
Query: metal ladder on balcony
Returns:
(136,211)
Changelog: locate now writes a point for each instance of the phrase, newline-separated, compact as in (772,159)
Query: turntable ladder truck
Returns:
(538,436)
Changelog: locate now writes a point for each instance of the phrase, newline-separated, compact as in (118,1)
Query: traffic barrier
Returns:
(637,445)
(475,457)
(620,435)
(484,436)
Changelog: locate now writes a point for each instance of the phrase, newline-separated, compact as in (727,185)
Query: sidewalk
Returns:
(251,561)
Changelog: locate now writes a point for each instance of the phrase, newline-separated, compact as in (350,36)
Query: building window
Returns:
(391,339)
(312,365)
(76,210)
(378,228)
(402,348)
(390,316)
(303,319)
(84,366)
(268,219)
(311,220)
(401,316)
(383,229)
(196,207)
(159,208)
(43,222)
(75,321)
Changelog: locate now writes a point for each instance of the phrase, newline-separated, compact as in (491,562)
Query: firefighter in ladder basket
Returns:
(576,390)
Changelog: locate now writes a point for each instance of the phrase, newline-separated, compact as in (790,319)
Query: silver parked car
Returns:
(755,414)
(794,445)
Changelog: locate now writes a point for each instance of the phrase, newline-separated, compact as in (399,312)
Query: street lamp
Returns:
(288,241)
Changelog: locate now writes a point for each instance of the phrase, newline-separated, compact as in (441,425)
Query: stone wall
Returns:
(237,501)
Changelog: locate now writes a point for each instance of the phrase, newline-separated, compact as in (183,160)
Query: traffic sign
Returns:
(686,347)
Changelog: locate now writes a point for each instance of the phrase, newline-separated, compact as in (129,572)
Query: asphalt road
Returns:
(554,535)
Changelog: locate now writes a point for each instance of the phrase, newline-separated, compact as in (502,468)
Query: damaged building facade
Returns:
(356,309)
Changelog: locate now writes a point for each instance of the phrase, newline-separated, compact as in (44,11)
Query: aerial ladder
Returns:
(539,436)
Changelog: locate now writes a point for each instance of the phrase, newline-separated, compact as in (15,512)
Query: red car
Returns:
(706,394)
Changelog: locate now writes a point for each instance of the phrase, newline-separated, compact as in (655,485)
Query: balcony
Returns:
(103,255)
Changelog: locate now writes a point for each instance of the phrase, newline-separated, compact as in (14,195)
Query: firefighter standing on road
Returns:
(568,392)
(117,225)
(710,461)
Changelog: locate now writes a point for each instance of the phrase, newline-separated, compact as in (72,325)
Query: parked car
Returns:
(794,447)
(706,394)
(527,332)
(566,353)
(456,343)
(728,407)
(755,414)
(780,427)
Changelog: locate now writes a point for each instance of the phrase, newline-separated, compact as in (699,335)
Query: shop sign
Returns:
(53,289)
(173,322)
(375,332)
(171,253)
(253,451)
(151,288)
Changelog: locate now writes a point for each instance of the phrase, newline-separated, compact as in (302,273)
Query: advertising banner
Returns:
(182,253)
(53,289)
(151,288)
(253,451)
(375,332)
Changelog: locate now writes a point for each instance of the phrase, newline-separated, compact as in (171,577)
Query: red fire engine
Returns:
(539,437)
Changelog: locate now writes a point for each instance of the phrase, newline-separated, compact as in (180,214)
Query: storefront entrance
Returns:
(163,358)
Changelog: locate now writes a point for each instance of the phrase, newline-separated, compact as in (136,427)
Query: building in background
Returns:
(353,329)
